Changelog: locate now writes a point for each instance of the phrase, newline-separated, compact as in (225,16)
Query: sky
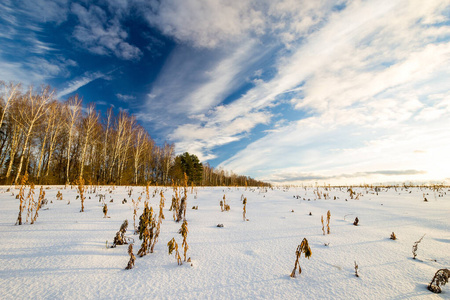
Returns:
(285,91)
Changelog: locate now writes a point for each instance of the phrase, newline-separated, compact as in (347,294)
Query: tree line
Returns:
(57,142)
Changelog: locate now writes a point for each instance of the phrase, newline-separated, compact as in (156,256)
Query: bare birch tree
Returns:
(32,111)
(140,139)
(89,124)
(11,92)
(73,111)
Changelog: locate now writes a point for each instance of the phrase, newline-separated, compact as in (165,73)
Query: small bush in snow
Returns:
(356,221)
(302,248)
(393,236)
(356,269)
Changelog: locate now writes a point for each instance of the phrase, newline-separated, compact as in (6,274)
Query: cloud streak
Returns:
(75,84)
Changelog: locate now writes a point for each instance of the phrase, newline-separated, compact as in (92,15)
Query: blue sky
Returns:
(285,91)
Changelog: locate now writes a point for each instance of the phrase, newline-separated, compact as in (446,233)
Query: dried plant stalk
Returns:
(81,189)
(244,202)
(120,239)
(132,258)
(323,226)
(173,246)
(328,221)
(302,248)
(105,210)
(414,247)
(30,201)
(158,224)
(39,204)
(146,230)
(184,232)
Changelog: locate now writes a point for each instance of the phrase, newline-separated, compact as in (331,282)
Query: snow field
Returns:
(64,255)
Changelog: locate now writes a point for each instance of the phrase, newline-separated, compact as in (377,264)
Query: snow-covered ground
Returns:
(64,255)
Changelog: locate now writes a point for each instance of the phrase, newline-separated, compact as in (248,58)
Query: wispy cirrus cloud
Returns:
(77,83)
(25,56)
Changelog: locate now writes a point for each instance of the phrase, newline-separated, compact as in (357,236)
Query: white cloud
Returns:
(101,35)
(368,76)
(204,23)
(125,98)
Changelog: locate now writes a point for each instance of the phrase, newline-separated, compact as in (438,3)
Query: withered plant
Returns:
(328,221)
(172,245)
(30,201)
(440,278)
(132,258)
(21,197)
(81,189)
(393,236)
(105,210)
(244,202)
(302,248)
(184,232)
(158,224)
(147,193)
(146,228)
(59,196)
(135,209)
(414,247)
(323,226)
(161,205)
(182,209)
(356,221)
(38,205)
(175,206)
(223,205)
(356,269)
(120,238)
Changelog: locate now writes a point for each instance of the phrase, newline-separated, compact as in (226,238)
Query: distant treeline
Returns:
(57,142)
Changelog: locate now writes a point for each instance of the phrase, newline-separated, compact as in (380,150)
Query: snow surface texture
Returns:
(64,255)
